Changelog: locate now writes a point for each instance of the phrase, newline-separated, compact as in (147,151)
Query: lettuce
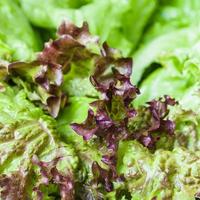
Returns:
(161,175)
(32,156)
(177,77)
(112,119)
(69,127)
(171,51)
(17,33)
(119,27)
(53,73)
(127,151)
(164,44)
(173,26)
(173,15)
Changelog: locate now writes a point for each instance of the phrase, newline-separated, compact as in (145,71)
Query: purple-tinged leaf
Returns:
(50,174)
(88,128)
(13,186)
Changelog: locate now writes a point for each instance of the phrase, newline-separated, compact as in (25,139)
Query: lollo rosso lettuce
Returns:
(112,119)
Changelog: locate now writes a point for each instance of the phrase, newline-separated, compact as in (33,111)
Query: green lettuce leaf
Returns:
(161,175)
(75,111)
(173,15)
(26,133)
(174,25)
(76,82)
(171,49)
(164,44)
(18,34)
(178,77)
